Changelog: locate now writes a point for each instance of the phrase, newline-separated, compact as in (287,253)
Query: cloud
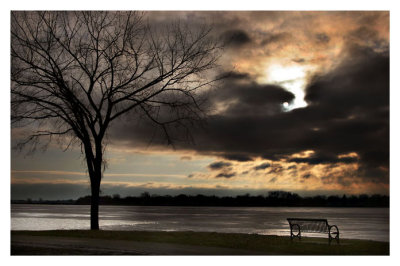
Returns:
(348,111)
(219,165)
(225,175)
(322,38)
(360,88)
(262,166)
(237,157)
(240,95)
(364,32)
(275,38)
(276,169)
(236,38)
(360,82)
(323,160)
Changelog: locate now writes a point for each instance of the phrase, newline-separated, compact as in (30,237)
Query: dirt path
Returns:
(46,245)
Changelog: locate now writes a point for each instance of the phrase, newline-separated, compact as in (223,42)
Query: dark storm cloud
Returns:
(262,166)
(236,76)
(323,160)
(254,94)
(241,97)
(236,38)
(348,111)
(237,157)
(219,165)
(362,82)
(355,99)
(244,97)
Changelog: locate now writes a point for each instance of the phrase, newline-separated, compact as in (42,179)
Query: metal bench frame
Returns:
(295,225)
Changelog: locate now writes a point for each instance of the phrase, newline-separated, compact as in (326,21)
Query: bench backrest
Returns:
(310,225)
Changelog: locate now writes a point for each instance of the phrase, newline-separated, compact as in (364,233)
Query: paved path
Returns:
(48,245)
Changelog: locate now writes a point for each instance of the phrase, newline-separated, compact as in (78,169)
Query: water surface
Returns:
(355,223)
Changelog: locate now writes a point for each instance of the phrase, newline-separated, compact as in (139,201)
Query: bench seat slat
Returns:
(311,225)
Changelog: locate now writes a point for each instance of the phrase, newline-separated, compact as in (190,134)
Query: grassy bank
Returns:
(270,245)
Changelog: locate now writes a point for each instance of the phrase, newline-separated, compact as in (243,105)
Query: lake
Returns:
(355,223)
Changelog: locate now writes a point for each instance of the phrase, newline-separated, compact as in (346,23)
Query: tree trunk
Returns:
(95,173)
(94,205)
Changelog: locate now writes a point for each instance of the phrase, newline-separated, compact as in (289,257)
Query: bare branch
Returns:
(76,72)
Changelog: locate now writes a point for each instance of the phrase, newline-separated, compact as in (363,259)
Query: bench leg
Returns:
(292,235)
(334,238)
(335,233)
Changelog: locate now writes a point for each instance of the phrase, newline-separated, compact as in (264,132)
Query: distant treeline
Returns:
(274,199)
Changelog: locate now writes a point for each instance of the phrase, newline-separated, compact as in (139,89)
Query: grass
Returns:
(272,245)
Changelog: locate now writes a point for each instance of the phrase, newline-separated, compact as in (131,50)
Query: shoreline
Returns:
(103,242)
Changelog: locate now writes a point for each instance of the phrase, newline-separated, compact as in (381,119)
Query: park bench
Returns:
(298,225)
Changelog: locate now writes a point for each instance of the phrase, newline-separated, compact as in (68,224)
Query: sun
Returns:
(292,78)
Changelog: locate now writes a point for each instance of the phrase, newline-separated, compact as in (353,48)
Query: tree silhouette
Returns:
(73,74)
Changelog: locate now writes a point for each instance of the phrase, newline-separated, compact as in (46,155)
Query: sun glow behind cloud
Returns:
(291,77)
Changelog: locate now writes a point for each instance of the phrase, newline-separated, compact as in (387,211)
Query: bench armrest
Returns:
(333,230)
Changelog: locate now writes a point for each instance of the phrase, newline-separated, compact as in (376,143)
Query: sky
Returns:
(305,109)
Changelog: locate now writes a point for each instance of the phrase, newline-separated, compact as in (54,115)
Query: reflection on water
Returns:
(358,223)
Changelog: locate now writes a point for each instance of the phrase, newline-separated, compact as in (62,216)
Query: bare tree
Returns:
(74,73)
